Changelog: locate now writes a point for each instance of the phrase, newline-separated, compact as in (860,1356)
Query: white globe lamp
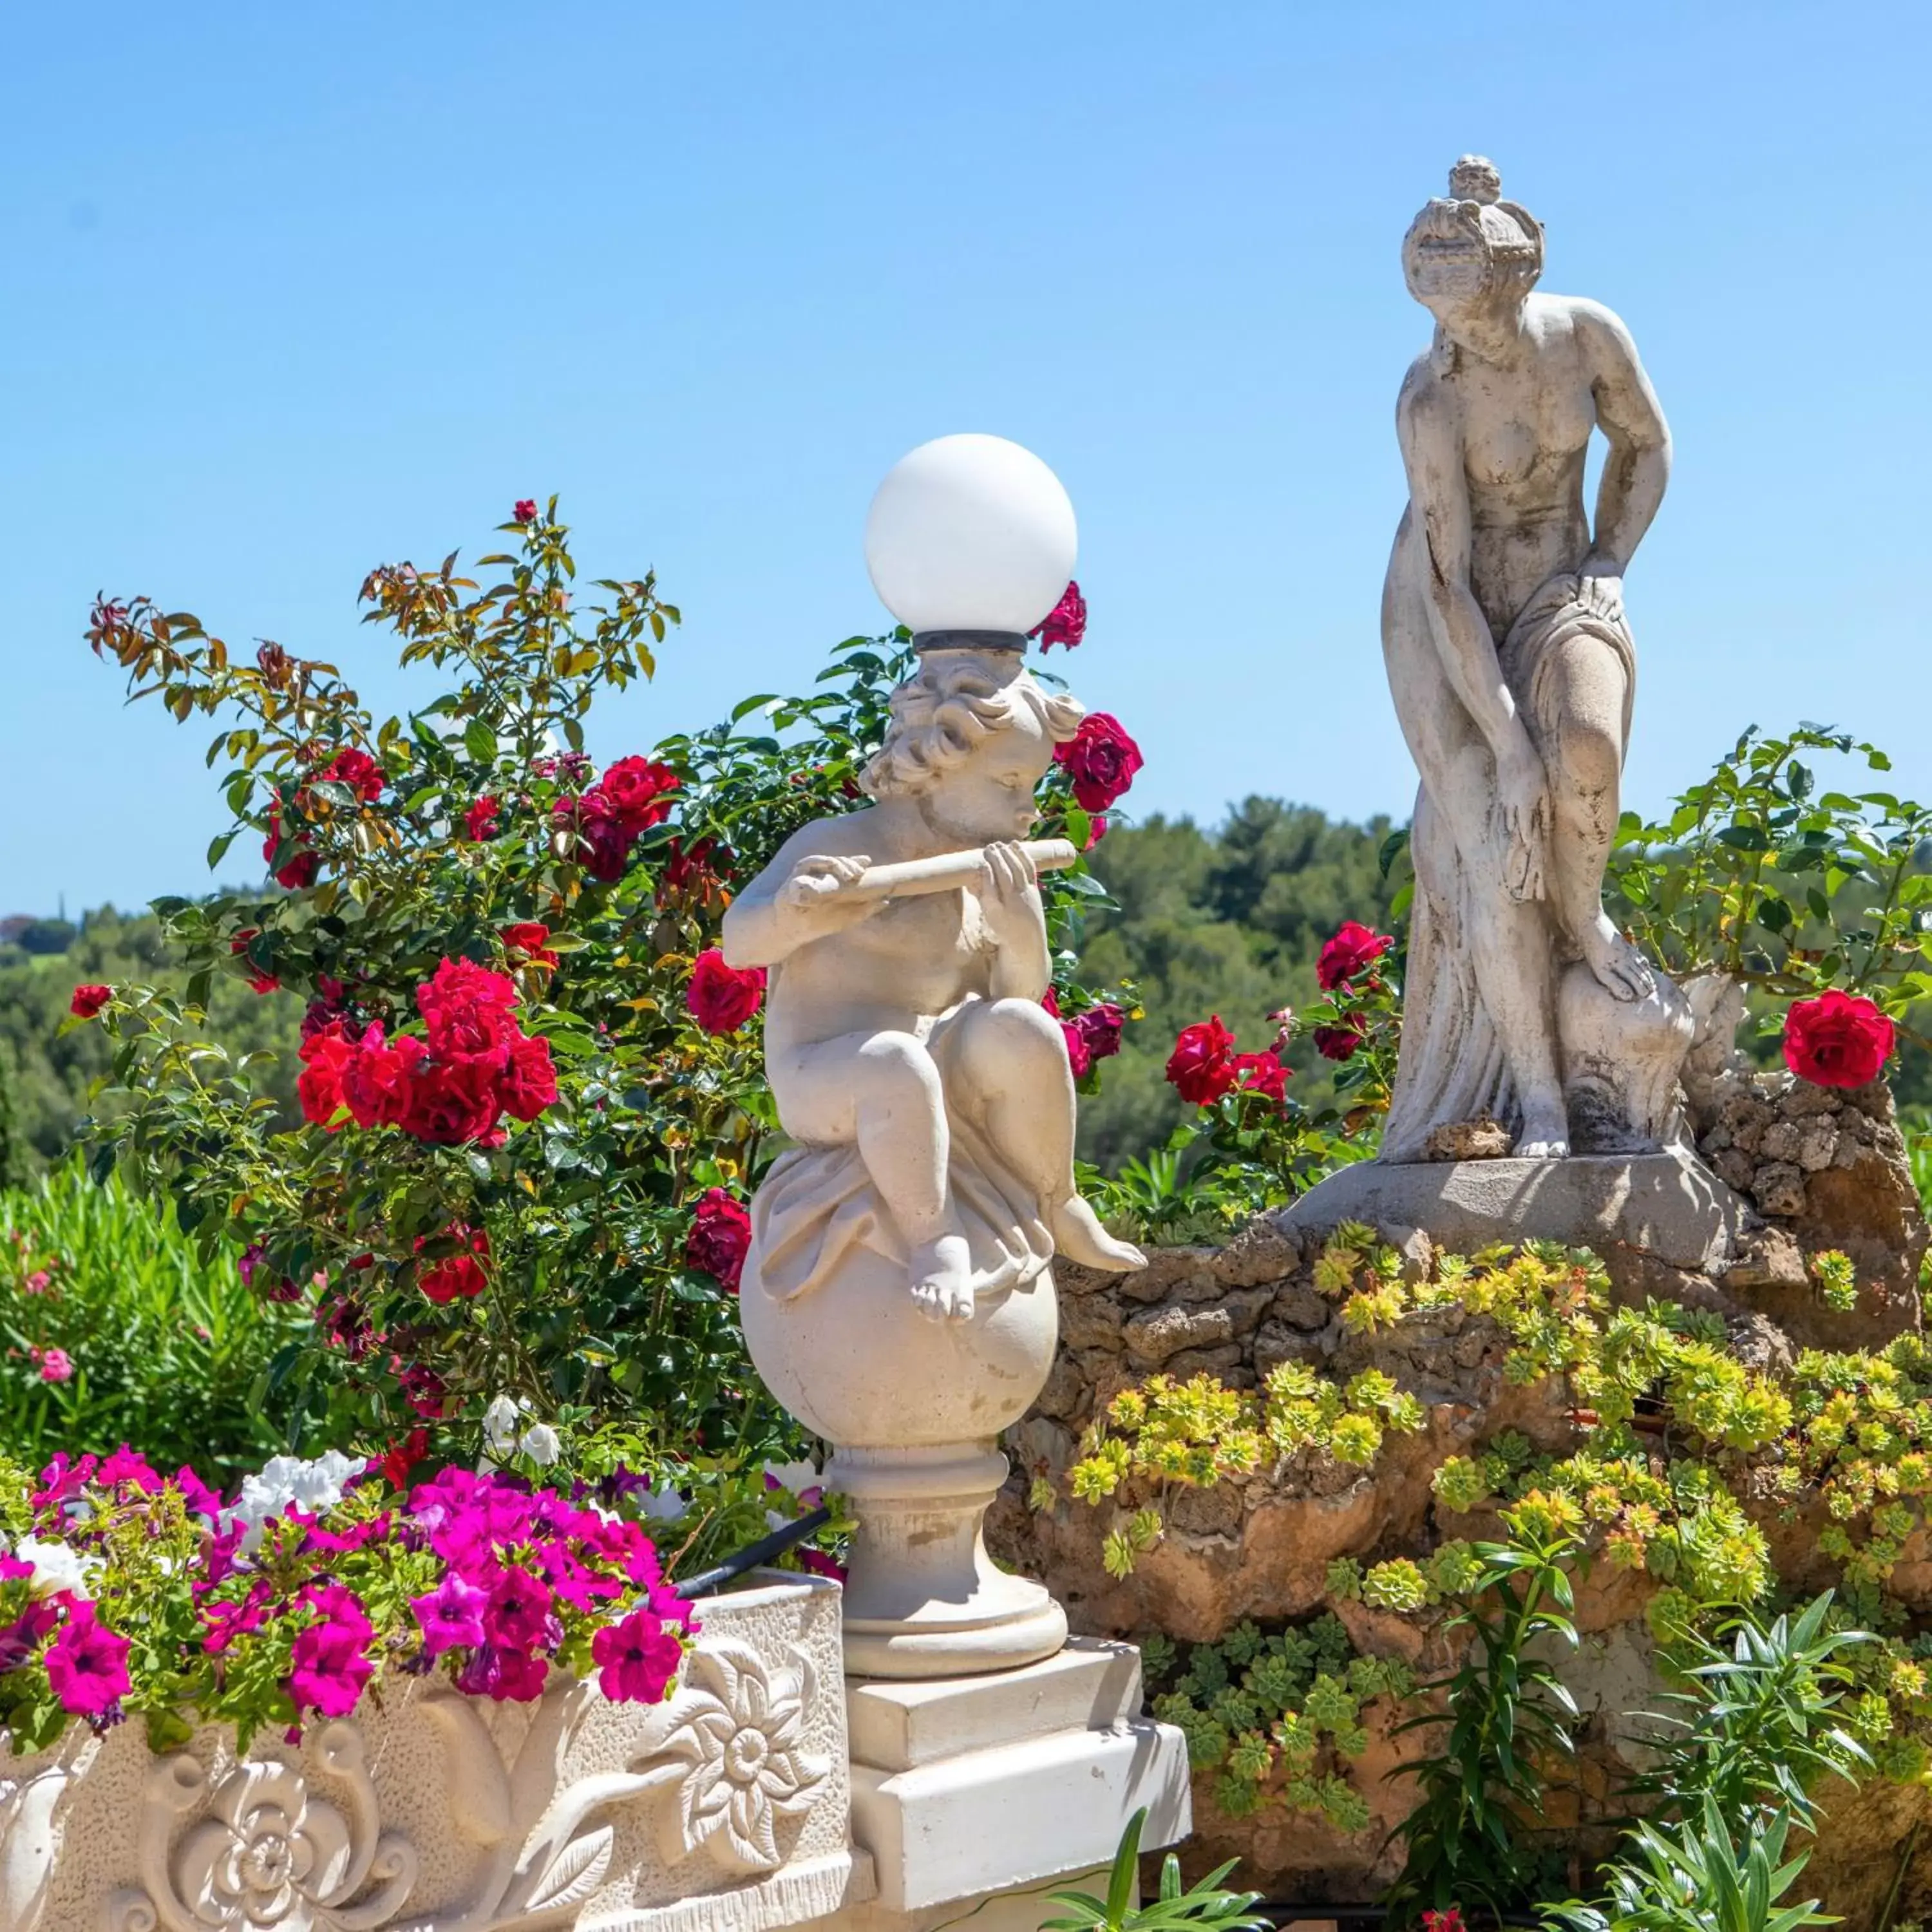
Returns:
(970,534)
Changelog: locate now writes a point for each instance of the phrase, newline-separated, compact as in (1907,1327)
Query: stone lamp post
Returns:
(897,1297)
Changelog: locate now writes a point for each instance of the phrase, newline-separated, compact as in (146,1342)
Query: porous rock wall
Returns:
(1826,1170)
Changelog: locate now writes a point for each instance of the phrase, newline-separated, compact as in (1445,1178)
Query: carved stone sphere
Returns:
(860,1365)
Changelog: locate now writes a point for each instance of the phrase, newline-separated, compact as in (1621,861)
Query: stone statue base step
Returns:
(985,1793)
(1668,1205)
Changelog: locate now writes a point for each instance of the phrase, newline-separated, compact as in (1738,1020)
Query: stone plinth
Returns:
(1667,1205)
(988,1794)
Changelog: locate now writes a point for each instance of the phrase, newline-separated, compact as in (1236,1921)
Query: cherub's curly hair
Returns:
(945,708)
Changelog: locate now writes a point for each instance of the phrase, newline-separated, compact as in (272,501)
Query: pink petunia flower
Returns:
(87,1665)
(638,1658)
(450,1614)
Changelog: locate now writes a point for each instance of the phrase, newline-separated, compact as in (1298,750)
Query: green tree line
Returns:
(1226,921)
(45,1074)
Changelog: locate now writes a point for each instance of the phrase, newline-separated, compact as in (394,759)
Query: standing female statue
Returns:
(1512,668)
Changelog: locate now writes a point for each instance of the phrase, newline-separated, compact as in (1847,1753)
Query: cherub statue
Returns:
(928,1090)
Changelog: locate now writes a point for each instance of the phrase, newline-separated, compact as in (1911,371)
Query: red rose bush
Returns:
(529,1109)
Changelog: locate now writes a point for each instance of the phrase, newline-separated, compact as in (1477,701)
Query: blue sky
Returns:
(294,290)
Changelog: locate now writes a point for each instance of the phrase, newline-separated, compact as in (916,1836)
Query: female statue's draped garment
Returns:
(1451,1067)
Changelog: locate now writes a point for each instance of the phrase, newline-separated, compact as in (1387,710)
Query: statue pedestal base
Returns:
(922,1598)
(985,1795)
(1668,1204)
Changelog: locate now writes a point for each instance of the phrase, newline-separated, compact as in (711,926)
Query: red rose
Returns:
(529,1083)
(325,1057)
(1354,949)
(638,792)
(1838,1040)
(603,844)
(425,1391)
(479,822)
(705,865)
(375,1081)
(1262,1072)
(1101,1027)
(531,940)
(460,1274)
(721,1234)
(299,871)
(401,1457)
(450,1102)
(526,511)
(88,1000)
(261,982)
(357,770)
(1201,1068)
(1079,1055)
(1097,830)
(1101,759)
(1067,624)
(720,998)
(467,1008)
(1340,1041)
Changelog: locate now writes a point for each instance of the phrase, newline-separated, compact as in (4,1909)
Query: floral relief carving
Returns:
(740,1770)
(272,1855)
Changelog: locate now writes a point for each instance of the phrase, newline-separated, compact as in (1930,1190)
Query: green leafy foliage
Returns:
(1759,874)
(51,1067)
(1505,1720)
(1690,1876)
(1279,1715)
(1758,1730)
(1227,921)
(1206,1903)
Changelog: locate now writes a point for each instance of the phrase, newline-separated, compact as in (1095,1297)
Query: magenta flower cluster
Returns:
(483,1577)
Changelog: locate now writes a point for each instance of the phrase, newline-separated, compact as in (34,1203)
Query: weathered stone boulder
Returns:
(1827,1169)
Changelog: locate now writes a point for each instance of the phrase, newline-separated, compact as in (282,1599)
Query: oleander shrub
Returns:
(115,1327)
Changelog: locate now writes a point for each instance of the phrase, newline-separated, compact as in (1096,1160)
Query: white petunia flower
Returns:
(796,1477)
(499,1425)
(57,1567)
(540,1444)
(283,1480)
(664,1503)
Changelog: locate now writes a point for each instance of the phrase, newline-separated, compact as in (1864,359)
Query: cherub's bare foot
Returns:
(1618,966)
(1546,1131)
(1078,1235)
(942,1280)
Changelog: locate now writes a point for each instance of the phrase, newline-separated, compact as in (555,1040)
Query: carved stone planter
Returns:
(725,1809)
